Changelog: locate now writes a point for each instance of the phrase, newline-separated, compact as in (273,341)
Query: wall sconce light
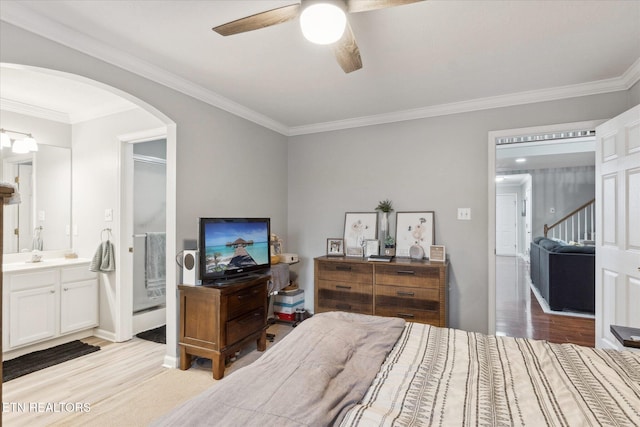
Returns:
(20,146)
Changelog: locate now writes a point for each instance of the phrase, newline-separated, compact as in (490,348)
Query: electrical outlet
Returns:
(464,214)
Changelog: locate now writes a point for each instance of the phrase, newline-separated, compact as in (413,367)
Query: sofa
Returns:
(564,274)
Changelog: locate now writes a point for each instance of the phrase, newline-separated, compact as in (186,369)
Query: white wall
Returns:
(96,186)
(437,164)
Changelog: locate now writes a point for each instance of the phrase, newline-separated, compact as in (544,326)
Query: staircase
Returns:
(577,226)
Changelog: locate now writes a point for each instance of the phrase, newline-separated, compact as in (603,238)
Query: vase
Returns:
(384,226)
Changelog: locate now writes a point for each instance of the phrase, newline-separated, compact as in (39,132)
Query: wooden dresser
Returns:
(217,321)
(415,290)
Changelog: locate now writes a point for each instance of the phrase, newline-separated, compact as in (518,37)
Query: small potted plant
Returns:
(390,246)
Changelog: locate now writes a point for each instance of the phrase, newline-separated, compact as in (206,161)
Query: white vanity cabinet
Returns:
(78,299)
(33,307)
(47,302)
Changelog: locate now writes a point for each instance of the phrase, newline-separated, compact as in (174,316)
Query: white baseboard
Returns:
(171,361)
(30,348)
(105,335)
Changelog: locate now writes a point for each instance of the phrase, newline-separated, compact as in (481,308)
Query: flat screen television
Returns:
(232,248)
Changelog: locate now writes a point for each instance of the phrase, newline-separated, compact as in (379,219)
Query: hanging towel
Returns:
(155,266)
(104,258)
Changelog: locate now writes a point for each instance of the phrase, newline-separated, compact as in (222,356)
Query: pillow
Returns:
(536,240)
(549,244)
(570,249)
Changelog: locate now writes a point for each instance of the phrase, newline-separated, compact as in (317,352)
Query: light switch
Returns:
(41,215)
(464,214)
(108,214)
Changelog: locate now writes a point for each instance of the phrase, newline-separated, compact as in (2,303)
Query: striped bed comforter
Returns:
(443,377)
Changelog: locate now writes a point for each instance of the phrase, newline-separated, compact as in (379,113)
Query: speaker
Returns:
(190,268)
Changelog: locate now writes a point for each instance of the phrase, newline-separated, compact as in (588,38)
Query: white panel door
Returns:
(506,223)
(617,225)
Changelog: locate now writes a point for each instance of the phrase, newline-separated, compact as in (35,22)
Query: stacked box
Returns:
(287,303)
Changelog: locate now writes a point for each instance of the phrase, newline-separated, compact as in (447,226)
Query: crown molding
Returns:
(624,82)
(26,18)
(34,111)
(29,20)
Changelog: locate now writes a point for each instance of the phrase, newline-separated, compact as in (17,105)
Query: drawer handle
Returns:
(406,315)
(52,291)
(248,320)
(343,306)
(406,294)
(342,287)
(248,295)
(343,267)
(66,289)
(410,272)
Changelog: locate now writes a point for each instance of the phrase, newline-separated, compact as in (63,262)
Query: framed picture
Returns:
(437,253)
(414,229)
(335,247)
(371,247)
(359,227)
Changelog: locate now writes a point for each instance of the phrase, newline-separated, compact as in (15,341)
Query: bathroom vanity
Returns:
(47,303)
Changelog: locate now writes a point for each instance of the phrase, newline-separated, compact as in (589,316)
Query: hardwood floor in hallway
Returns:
(518,313)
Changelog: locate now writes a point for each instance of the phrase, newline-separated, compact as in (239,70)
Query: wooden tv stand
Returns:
(218,320)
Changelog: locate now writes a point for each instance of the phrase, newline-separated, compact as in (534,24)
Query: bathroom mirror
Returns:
(43,218)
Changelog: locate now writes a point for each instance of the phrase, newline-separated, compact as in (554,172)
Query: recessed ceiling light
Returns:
(521,160)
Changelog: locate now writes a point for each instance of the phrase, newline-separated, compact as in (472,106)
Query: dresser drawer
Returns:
(345,272)
(408,275)
(354,297)
(405,297)
(245,325)
(411,315)
(246,300)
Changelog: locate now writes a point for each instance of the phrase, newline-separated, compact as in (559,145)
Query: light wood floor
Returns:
(518,313)
(94,378)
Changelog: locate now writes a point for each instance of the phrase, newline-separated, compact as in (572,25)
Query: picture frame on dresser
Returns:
(371,247)
(359,227)
(414,229)
(437,253)
(335,246)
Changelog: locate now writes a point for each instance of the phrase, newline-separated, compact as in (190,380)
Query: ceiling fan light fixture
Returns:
(323,23)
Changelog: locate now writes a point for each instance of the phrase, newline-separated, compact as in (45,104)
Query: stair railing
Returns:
(576,226)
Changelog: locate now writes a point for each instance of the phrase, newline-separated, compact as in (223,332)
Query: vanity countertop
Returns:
(45,263)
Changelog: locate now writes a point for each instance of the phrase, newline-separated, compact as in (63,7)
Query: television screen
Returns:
(233,246)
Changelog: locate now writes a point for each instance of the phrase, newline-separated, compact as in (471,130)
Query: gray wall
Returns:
(432,164)
(436,164)
(225,165)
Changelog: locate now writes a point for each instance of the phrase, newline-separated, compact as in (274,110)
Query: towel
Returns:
(104,258)
(15,197)
(155,265)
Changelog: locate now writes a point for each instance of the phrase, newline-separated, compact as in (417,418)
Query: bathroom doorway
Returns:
(145,179)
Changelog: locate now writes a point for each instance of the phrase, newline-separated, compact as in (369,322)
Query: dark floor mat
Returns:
(41,359)
(158,335)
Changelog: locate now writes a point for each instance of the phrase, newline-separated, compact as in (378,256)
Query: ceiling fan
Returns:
(332,26)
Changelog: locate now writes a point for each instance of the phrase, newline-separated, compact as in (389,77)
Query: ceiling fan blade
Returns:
(354,6)
(347,52)
(259,20)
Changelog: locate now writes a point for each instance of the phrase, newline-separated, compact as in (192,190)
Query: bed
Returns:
(356,370)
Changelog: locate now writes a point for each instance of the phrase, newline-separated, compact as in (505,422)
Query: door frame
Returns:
(491,183)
